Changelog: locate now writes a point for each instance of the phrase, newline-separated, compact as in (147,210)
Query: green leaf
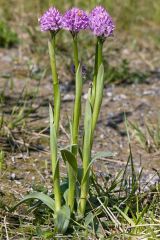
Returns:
(129,220)
(51,114)
(87,171)
(77,109)
(70,126)
(102,155)
(98,155)
(89,219)
(64,185)
(62,219)
(70,158)
(48,201)
(80,153)
(53,140)
(64,189)
(87,138)
(87,126)
(65,196)
(80,174)
(74,148)
(56,87)
(99,96)
(79,84)
(100,81)
(53,143)
(69,146)
(88,114)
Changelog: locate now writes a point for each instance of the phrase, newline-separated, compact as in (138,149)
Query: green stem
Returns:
(55,163)
(56,88)
(54,125)
(90,124)
(75,52)
(95,75)
(75,124)
(78,93)
(100,58)
(85,184)
(98,94)
(77,106)
(86,156)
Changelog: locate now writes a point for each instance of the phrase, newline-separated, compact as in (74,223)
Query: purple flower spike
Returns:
(75,20)
(51,20)
(101,23)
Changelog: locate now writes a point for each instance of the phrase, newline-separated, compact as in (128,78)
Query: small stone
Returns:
(119,97)
(109,94)
(68,97)
(12,176)
(149,92)
(102,136)
(85,96)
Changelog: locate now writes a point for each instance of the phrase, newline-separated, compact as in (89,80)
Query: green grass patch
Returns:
(8,38)
(124,74)
(123,206)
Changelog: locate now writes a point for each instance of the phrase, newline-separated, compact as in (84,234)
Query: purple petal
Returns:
(51,20)
(75,20)
(100,22)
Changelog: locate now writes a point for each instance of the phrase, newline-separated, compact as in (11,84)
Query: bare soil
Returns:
(27,156)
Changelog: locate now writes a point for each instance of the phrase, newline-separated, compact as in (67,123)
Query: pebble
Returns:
(109,94)
(12,176)
(119,97)
(85,96)
(68,97)
(149,92)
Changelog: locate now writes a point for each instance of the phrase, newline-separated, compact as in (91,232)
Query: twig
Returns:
(5,226)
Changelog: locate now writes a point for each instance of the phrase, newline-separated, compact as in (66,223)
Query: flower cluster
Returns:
(98,21)
(75,20)
(51,20)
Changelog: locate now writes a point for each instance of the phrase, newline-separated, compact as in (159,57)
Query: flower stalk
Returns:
(95,75)
(98,99)
(102,26)
(54,125)
(100,49)
(75,124)
(56,88)
(75,51)
(75,20)
(78,93)
(86,155)
(91,118)
(54,162)
(98,85)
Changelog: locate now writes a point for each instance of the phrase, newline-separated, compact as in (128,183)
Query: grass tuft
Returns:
(118,207)
(8,38)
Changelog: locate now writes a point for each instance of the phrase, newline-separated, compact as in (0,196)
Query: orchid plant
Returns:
(101,25)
